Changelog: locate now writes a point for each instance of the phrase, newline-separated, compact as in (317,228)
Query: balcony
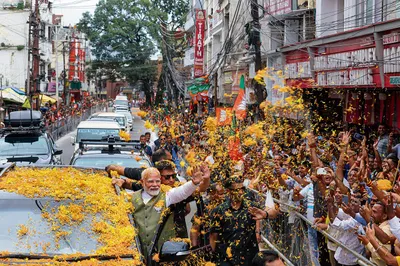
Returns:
(189,24)
(215,22)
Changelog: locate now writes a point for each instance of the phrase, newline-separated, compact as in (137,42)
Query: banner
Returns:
(72,60)
(199,43)
(224,116)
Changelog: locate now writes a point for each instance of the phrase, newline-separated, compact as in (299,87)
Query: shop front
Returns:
(355,81)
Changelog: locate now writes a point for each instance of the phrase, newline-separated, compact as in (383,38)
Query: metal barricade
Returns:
(288,234)
(63,126)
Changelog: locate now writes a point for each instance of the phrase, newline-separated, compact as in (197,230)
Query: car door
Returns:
(55,155)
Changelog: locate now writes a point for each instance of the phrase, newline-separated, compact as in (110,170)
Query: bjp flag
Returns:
(224,116)
(240,103)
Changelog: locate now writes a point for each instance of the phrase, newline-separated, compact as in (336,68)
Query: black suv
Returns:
(109,150)
(25,141)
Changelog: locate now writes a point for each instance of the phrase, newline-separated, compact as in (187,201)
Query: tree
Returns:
(125,33)
(122,46)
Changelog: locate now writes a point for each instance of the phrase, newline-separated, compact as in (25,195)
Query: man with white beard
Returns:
(150,202)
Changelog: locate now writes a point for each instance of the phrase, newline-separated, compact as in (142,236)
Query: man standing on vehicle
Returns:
(150,203)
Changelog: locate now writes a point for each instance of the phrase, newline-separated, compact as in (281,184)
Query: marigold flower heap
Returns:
(91,195)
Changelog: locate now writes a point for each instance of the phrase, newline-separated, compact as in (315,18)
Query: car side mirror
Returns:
(57,151)
(73,140)
(174,251)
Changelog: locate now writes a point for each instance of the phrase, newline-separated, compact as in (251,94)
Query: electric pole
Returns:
(65,78)
(28,76)
(256,42)
(36,53)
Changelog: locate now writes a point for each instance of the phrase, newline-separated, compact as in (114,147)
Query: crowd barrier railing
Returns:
(61,127)
(288,236)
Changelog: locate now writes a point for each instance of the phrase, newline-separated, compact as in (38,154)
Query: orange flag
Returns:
(240,102)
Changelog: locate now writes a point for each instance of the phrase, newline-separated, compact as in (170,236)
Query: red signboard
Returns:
(199,43)
(72,59)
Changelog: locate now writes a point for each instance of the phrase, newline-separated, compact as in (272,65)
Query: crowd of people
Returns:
(343,179)
(52,114)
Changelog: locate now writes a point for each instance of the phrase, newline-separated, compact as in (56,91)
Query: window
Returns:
(23,145)
(369,11)
(95,133)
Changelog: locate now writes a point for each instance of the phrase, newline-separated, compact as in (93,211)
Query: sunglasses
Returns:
(163,139)
(173,176)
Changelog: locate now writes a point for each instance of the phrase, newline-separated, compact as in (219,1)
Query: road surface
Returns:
(65,142)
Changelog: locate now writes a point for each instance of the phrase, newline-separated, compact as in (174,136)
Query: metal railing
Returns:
(290,239)
(63,126)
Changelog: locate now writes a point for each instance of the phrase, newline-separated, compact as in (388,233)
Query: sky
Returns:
(73,9)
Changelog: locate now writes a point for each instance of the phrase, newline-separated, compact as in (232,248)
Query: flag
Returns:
(234,141)
(240,103)
(27,104)
(224,116)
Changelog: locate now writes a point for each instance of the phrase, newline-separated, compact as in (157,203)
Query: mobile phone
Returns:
(358,136)
(345,199)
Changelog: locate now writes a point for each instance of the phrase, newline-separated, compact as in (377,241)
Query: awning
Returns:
(45,99)
(12,97)
(13,90)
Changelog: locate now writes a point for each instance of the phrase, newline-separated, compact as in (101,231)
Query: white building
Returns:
(14,16)
(13,45)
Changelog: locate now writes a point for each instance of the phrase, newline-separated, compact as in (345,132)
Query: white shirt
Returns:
(308,194)
(394,224)
(175,195)
(348,227)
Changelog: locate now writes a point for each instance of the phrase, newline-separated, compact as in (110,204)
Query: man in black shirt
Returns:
(233,227)
(135,173)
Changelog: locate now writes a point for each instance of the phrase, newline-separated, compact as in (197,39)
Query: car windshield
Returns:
(126,114)
(95,133)
(103,161)
(119,119)
(26,211)
(121,102)
(17,145)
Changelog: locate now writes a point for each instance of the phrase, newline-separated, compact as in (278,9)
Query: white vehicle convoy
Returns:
(128,116)
(120,118)
(94,130)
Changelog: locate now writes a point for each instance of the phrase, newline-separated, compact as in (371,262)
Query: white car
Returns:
(94,130)
(121,102)
(128,116)
(120,118)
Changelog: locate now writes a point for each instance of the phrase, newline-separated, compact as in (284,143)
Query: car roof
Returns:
(99,124)
(109,114)
(121,97)
(99,152)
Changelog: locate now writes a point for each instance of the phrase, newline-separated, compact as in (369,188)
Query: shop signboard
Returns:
(199,43)
(395,80)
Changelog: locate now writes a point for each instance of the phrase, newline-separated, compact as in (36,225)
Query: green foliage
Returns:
(124,35)
(20,5)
